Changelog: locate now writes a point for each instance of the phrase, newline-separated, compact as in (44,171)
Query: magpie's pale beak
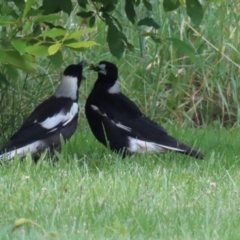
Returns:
(98,68)
(83,63)
(94,68)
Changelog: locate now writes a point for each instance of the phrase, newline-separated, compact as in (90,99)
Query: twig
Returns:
(211,45)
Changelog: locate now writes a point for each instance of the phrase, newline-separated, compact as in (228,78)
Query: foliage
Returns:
(32,28)
(179,72)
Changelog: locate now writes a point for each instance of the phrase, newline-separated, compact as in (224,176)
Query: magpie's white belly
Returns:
(136,145)
(33,148)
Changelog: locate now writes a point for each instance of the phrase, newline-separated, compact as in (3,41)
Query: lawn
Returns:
(91,193)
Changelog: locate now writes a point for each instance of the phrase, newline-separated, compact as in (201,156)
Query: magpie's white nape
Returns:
(117,122)
(57,116)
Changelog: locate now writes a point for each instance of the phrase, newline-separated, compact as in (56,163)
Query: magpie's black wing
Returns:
(118,109)
(44,120)
(120,114)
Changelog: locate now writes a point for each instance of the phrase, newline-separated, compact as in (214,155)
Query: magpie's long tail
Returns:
(184,149)
(171,144)
(191,152)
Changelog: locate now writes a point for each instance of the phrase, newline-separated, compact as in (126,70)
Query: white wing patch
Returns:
(32,148)
(52,122)
(95,108)
(115,88)
(136,145)
(119,125)
(71,114)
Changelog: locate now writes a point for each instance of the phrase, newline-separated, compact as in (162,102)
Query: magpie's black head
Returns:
(107,72)
(75,70)
(71,79)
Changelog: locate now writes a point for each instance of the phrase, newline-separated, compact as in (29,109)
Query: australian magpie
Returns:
(57,116)
(117,122)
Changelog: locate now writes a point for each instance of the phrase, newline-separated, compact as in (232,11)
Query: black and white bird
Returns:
(58,115)
(117,122)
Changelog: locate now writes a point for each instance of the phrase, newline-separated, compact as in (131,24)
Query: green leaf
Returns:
(156,39)
(7,20)
(91,21)
(153,36)
(184,47)
(50,6)
(55,32)
(116,21)
(137,2)
(37,50)
(108,8)
(85,14)
(26,28)
(2,54)
(130,11)
(65,5)
(3,79)
(106,2)
(56,59)
(23,62)
(148,22)
(148,5)
(114,39)
(28,6)
(6,10)
(195,11)
(20,4)
(54,48)
(215,1)
(170,5)
(147,34)
(82,3)
(47,18)
(20,222)
(130,47)
(106,16)
(36,30)
(34,12)
(86,44)
(79,33)
(19,46)
(11,72)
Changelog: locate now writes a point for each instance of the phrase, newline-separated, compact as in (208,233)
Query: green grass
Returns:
(91,193)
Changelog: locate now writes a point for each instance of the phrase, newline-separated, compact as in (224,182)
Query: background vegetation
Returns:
(176,70)
(183,73)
